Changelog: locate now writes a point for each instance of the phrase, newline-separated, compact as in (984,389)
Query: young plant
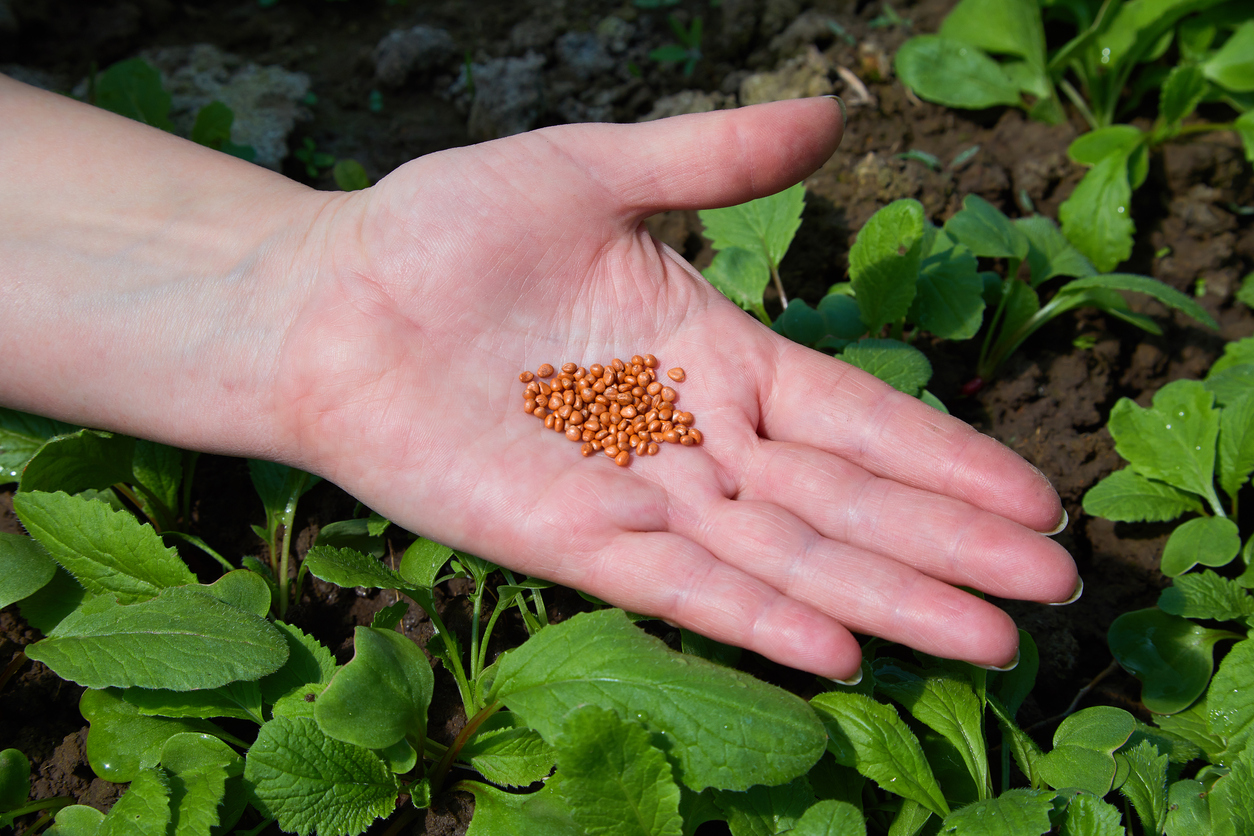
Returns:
(687,51)
(15,789)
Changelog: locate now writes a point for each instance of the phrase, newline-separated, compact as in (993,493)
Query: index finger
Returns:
(810,398)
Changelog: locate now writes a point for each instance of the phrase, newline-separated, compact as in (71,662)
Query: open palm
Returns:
(822,501)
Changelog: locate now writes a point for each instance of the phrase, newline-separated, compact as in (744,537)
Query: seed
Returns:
(532,390)
(618,365)
(696,436)
(558,423)
(637,360)
(545,370)
(526,377)
(653,448)
(596,370)
(685,418)
(587,450)
(587,394)
(611,450)
(573,433)
(677,374)
(623,438)
(529,405)
(548,421)
(687,441)
(623,459)
(671,436)
(540,411)
(654,388)
(587,434)
(569,368)
(629,412)
(564,411)
(555,401)
(568,397)
(642,447)
(650,361)
(575,417)
(669,395)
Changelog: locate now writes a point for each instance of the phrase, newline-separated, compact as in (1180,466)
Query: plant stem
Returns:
(1078,101)
(1205,127)
(188,469)
(476,652)
(779,286)
(472,726)
(51,804)
(13,667)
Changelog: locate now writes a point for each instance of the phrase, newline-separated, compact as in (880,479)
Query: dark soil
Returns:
(1049,403)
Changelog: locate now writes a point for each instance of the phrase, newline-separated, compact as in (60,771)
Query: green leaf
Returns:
(1173,657)
(508,753)
(108,552)
(1050,254)
(279,485)
(727,729)
(498,812)
(349,568)
(870,737)
(1232,65)
(1174,440)
(945,703)
(1193,726)
(121,742)
(307,662)
(24,569)
(1127,496)
(14,779)
(831,818)
(1236,353)
(21,435)
(1093,147)
(376,524)
(183,640)
(801,323)
(954,73)
(350,176)
(381,695)
(1236,444)
(132,88)
(422,562)
(984,230)
(199,766)
(901,366)
(45,608)
(1244,126)
(1232,799)
(1181,93)
(765,811)
(1209,541)
(1077,767)
(312,782)
(240,700)
(1013,813)
(614,779)
(158,468)
(949,300)
(1088,815)
(143,810)
(1097,217)
(213,125)
(1231,698)
(76,820)
(1187,812)
(390,616)
(884,263)
(243,590)
(1206,595)
(351,534)
(1002,27)
(765,226)
(1164,293)
(1012,687)
(1230,384)
(841,316)
(670,53)
(78,461)
(1146,786)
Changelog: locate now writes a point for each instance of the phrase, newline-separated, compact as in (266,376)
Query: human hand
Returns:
(822,501)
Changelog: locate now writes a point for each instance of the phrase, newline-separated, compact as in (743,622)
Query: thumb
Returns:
(710,160)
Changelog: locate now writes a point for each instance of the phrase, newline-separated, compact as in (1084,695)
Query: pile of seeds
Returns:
(616,409)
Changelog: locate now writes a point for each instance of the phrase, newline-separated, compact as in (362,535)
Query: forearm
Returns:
(146,282)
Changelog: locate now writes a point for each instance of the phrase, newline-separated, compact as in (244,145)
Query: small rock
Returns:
(687,101)
(412,51)
(583,53)
(509,96)
(615,33)
(797,78)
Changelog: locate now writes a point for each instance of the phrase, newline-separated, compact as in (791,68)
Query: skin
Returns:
(157,288)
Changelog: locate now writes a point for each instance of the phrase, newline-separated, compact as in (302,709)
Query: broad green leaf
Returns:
(1232,799)
(1164,293)
(308,661)
(1174,440)
(79,461)
(198,767)
(765,811)
(1236,444)
(1181,93)
(766,225)
(21,436)
(279,485)
(158,468)
(240,700)
(1187,811)
(45,608)
(949,300)
(390,616)
(1002,27)
(351,534)
(497,812)
(871,737)
(1209,541)
(144,809)
(76,820)
(1206,595)
(1050,254)
(183,640)
(954,73)
(801,323)
(1139,24)
(121,742)
(1012,687)
(243,590)
(1173,657)
(1077,767)
(108,552)
(696,644)
(741,275)
(985,231)
(376,524)
(14,779)
(381,695)
(1236,353)
(1231,697)
(884,263)
(213,125)
(422,562)
(1088,815)
(312,782)
(1232,65)
(831,818)
(910,819)
(508,753)
(132,88)
(1013,813)
(615,781)
(945,703)
(400,757)
(1231,384)
(1092,147)
(350,176)
(1127,496)
(901,366)
(1146,786)
(1178,750)
(24,568)
(727,729)
(1097,217)
(1193,726)
(350,568)
(841,315)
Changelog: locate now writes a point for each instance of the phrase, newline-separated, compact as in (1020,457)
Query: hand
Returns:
(822,501)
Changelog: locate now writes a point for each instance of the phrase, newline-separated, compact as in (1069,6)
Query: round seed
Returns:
(650,361)
(611,450)
(653,448)
(555,401)
(545,370)
(654,388)
(558,423)
(623,459)
(526,377)
(564,411)
(573,433)
(540,411)
(618,365)
(529,405)
(696,436)
(677,374)
(669,395)
(548,421)
(569,368)
(642,448)
(587,450)
(575,417)
(629,412)
(671,436)
(596,370)
(637,360)
(687,441)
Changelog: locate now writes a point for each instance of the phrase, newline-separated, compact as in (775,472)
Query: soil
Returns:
(1049,402)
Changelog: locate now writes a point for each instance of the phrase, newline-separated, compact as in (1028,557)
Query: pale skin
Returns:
(157,288)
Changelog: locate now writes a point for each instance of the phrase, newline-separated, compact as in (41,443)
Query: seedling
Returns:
(316,162)
(687,51)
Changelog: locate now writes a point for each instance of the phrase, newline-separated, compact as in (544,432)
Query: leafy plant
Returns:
(687,51)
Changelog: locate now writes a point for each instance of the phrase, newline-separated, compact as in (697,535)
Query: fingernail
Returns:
(851,681)
(1014,663)
(844,113)
(1062,524)
(1075,596)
